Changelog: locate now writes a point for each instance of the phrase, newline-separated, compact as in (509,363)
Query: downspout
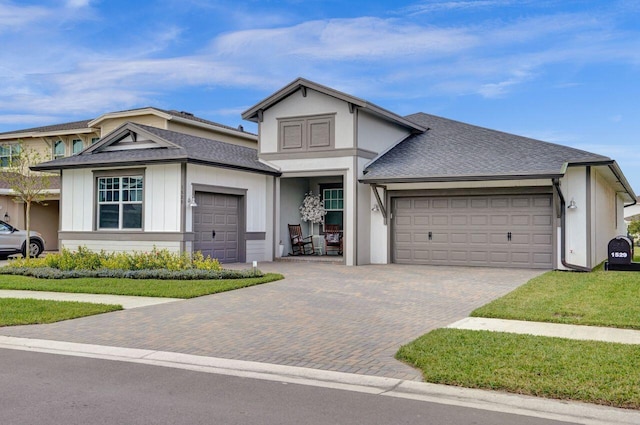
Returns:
(563,260)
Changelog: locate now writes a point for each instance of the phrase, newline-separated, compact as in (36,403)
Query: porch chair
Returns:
(300,243)
(332,238)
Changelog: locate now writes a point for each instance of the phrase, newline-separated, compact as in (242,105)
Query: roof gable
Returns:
(127,137)
(255,112)
(137,144)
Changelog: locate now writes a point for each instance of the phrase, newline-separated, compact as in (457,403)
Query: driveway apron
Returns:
(322,316)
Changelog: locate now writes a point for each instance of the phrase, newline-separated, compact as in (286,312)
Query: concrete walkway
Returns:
(127,302)
(587,333)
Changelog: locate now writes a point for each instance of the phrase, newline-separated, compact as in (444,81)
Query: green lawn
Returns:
(600,298)
(593,372)
(138,287)
(15,311)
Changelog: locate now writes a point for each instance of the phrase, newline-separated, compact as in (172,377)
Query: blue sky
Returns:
(562,71)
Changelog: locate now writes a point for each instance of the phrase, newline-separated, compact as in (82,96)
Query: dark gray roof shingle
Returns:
(76,125)
(187,149)
(452,150)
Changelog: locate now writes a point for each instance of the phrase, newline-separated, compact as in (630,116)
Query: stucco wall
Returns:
(377,135)
(212,134)
(110,124)
(314,104)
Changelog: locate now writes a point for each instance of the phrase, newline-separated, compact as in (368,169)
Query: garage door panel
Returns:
(421,220)
(473,230)
(459,220)
(457,238)
(440,220)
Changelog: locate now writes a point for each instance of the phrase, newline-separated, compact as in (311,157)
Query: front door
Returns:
(215,224)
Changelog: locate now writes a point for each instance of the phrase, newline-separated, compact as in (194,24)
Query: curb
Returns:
(472,398)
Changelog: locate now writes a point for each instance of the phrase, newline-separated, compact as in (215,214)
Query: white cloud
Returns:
(14,17)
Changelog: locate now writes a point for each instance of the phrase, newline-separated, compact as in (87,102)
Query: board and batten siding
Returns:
(161,199)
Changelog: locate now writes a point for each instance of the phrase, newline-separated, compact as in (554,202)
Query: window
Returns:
(334,205)
(120,202)
(59,149)
(306,133)
(94,140)
(9,153)
(77,146)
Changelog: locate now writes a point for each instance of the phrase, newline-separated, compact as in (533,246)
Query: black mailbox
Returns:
(620,250)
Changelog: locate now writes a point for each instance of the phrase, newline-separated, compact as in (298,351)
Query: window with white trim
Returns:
(120,202)
(333,200)
(8,153)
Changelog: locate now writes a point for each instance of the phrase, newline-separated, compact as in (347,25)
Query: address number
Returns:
(619,254)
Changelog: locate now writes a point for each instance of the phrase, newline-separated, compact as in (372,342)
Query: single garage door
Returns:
(496,231)
(215,224)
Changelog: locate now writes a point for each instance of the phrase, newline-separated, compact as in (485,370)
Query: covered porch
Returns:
(319,245)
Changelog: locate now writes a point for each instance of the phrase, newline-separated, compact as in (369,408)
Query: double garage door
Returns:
(495,231)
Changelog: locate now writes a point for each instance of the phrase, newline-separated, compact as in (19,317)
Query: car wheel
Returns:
(35,249)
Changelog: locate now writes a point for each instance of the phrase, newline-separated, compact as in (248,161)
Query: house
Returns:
(417,189)
(68,139)
(632,212)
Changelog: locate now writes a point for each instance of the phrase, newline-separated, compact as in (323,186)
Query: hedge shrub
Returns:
(85,259)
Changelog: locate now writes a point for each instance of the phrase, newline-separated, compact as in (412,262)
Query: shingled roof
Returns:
(178,147)
(76,125)
(451,150)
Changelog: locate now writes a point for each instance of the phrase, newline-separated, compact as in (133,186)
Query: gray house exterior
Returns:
(417,189)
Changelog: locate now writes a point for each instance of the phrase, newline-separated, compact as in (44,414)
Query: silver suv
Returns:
(13,241)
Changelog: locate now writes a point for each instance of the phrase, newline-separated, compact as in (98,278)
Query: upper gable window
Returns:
(301,134)
(77,145)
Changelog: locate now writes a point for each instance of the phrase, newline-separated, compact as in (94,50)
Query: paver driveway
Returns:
(323,316)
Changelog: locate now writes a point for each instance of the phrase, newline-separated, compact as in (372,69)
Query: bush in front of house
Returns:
(86,260)
(161,274)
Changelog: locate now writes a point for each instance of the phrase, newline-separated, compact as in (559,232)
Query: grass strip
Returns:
(599,298)
(137,287)
(15,311)
(593,372)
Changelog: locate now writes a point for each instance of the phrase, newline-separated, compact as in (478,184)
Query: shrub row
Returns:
(85,259)
(164,274)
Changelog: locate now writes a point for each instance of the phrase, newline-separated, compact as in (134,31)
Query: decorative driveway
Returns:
(322,316)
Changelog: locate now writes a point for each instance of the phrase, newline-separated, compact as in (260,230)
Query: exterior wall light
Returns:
(572,205)
(7,218)
(375,208)
(192,203)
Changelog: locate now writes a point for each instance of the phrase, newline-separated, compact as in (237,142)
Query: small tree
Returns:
(634,229)
(312,209)
(27,185)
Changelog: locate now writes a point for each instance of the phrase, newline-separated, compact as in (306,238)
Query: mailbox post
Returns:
(620,255)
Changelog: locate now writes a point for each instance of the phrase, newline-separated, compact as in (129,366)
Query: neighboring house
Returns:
(418,189)
(632,212)
(68,139)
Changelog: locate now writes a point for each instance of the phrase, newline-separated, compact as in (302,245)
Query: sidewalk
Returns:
(590,333)
(127,302)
